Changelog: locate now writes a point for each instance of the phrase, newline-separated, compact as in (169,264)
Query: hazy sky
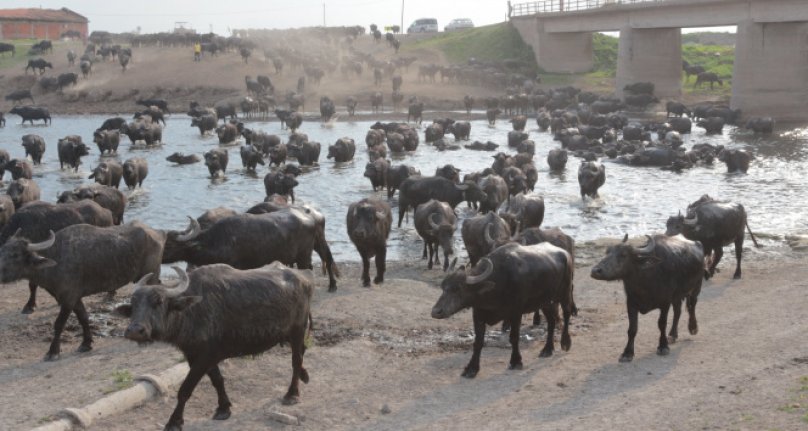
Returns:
(204,15)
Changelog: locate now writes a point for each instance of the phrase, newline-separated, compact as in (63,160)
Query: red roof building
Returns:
(35,23)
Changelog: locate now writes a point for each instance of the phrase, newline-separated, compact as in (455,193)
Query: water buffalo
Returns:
(8,47)
(281,184)
(376,172)
(247,241)
(736,160)
(662,273)
(107,140)
(368,222)
(86,67)
(6,209)
(519,122)
(516,137)
(307,152)
(148,132)
(205,123)
(714,224)
(764,125)
(435,222)
(20,95)
(557,159)
(114,123)
(71,149)
(397,174)
(54,265)
(508,282)
(460,129)
(677,109)
(468,103)
(216,161)
(38,64)
(350,105)
(523,212)
(213,215)
(433,132)
(491,115)
(710,77)
(274,306)
(250,157)
(418,190)
(377,102)
(480,146)
(591,176)
(107,197)
(449,171)
(482,234)
(160,103)
(712,125)
(496,192)
(516,180)
(415,111)
(135,171)
(19,169)
(327,109)
(227,133)
(183,159)
(31,113)
(66,79)
(108,173)
(22,191)
(342,151)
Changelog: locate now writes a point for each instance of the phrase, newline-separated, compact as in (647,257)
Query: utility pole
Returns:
(323,14)
(402,16)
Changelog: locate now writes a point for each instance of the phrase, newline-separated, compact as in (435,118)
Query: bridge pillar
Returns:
(771,70)
(650,55)
(557,52)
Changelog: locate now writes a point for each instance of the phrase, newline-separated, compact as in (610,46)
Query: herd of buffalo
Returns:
(81,245)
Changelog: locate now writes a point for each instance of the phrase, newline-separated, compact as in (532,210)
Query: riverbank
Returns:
(377,347)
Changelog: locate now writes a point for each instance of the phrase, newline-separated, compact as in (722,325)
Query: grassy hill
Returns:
(501,41)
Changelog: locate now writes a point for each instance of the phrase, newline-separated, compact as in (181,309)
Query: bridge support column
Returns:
(771,70)
(557,52)
(650,55)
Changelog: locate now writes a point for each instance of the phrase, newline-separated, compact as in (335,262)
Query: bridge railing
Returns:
(554,6)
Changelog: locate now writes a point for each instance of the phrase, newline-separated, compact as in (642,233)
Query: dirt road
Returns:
(746,369)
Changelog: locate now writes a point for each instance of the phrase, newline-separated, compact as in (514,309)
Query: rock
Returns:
(386,409)
(283,418)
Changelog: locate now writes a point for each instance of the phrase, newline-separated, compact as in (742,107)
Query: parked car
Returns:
(423,25)
(459,24)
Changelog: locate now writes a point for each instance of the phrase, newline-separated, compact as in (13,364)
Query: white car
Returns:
(459,24)
(424,25)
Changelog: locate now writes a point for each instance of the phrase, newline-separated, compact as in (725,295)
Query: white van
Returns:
(424,25)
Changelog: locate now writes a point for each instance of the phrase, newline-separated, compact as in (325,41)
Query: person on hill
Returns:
(197,51)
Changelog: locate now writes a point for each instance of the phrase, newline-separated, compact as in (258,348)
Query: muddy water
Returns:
(633,200)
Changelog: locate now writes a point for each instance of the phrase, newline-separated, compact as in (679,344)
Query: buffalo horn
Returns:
(38,246)
(181,287)
(432,223)
(192,231)
(692,221)
(649,247)
(489,269)
(142,282)
(488,238)
(462,187)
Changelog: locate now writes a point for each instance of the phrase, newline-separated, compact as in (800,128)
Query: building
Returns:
(32,23)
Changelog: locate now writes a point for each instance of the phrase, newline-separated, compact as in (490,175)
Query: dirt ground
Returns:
(380,362)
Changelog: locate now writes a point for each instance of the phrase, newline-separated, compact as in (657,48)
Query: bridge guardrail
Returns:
(554,6)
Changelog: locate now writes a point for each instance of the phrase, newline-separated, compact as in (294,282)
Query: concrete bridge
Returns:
(771,53)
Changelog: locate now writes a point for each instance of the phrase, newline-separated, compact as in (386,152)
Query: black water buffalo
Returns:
(307,152)
(508,282)
(376,172)
(38,64)
(350,105)
(86,67)
(730,116)
(31,113)
(54,265)
(482,234)
(460,129)
(20,95)
(480,146)
(516,137)
(19,169)
(34,147)
(37,219)
(108,173)
(327,109)
(557,159)
(71,149)
(205,123)
(248,241)
(197,317)
(342,151)
(216,161)
(712,125)
(150,133)
(518,122)
(227,133)
(8,47)
(135,171)
(280,183)
(662,273)
(415,111)
(261,140)
(418,190)
(250,157)
(368,222)
(449,171)
(293,121)
(491,115)
(6,209)
(710,77)
(736,160)
(277,154)
(213,215)
(433,132)
(183,159)
(435,222)
(160,103)
(108,198)
(763,125)
(22,191)
(714,224)
(107,140)
(66,79)
(114,123)
(397,174)
(496,192)
(677,109)
(523,212)
(591,176)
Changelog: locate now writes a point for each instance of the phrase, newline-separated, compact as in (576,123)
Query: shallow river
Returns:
(633,200)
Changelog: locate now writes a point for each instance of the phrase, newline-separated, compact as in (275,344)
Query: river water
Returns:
(634,200)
